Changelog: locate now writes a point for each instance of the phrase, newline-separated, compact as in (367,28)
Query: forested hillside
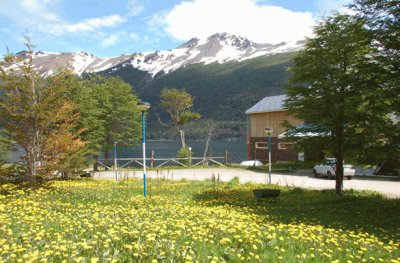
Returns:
(222,91)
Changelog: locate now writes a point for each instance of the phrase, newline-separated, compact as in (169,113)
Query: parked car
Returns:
(329,169)
(251,163)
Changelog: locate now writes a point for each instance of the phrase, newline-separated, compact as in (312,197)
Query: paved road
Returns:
(388,188)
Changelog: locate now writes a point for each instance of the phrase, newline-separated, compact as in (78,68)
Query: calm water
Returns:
(237,149)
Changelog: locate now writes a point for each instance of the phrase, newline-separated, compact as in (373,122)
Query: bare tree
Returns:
(210,127)
(177,104)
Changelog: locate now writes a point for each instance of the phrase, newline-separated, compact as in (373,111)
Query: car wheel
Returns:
(349,177)
(329,174)
(315,173)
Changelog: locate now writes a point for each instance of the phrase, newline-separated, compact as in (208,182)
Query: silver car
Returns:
(329,169)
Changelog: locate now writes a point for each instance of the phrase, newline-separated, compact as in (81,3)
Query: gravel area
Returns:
(302,179)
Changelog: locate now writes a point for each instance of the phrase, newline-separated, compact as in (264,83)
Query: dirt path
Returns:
(388,188)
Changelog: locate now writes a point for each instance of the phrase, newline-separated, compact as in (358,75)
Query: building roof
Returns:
(268,104)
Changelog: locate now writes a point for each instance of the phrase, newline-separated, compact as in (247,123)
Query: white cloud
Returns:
(134,36)
(135,7)
(40,9)
(325,7)
(158,19)
(110,40)
(29,10)
(44,16)
(156,23)
(86,25)
(120,37)
(259,23)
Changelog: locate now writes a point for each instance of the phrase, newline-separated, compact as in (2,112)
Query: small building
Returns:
(269,112)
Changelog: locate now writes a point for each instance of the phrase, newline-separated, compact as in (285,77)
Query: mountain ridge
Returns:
(219,47)
(226,74)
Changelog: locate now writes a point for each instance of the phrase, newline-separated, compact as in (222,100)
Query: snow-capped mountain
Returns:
(220,47)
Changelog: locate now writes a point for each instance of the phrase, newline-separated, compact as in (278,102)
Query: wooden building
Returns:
(269,112)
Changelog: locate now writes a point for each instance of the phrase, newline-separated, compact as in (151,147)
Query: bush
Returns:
(234,181)
(184,153)
(13,173)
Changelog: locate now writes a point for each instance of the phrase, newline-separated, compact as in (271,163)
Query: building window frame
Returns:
(261,145)
(285,146)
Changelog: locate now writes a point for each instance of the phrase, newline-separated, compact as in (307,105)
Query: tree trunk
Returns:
(35,153)
(33,157)
(338,153)
(210,130)
(379,167)
(183,143)
(206,148)
(34,149)
(31,165)
(106,161)
(95,163)
(339,174)
(64,175)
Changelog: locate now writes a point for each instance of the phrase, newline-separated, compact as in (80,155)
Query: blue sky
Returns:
(114,27)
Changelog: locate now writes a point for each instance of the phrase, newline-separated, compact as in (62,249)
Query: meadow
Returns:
(185,221)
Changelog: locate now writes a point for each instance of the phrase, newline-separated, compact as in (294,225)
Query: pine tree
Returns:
(37,117)
(108,110)
(5,148)
(83,94)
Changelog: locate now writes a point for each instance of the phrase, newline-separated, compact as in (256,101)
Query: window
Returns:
(261,145)
(285,146)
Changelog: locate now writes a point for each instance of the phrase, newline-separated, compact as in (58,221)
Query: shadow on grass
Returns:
(355,210)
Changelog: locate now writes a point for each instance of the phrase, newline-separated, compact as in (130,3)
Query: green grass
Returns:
(186,221)
(289,166)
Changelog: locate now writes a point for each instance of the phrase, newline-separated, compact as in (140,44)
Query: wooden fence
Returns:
(159,162)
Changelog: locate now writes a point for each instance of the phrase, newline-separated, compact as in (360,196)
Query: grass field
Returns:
(183,221)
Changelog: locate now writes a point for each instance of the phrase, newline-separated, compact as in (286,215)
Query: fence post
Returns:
(255,154)
(226,157)
(190,157)
(152,159)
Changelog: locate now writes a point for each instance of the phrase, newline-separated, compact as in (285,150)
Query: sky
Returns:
(109,28)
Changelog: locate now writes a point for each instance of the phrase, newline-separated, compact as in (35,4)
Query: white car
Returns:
(329,169)
(251,163)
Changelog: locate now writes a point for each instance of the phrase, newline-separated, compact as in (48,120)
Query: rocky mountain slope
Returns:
(220,48)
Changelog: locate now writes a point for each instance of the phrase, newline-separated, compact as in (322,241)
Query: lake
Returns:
(237,149)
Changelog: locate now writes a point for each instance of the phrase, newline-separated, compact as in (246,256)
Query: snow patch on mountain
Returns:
(104,66)
(218,48)
(81,60)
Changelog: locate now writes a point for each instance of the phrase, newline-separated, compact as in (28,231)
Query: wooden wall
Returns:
(277,155)
(259,121)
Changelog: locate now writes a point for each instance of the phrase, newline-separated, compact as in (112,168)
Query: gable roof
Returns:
(268,104)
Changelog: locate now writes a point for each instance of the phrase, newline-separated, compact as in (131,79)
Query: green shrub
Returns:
(184,153)
(234,181)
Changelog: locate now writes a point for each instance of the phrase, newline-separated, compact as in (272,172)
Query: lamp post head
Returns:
(115,143)
(269,130)
(143,106)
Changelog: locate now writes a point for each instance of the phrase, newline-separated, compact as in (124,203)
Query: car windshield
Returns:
(330,160)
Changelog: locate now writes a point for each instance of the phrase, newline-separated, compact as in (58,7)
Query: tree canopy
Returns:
(38,118)
(382,19)
(60,120)
(177,104)
(108,110)
(333,90)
